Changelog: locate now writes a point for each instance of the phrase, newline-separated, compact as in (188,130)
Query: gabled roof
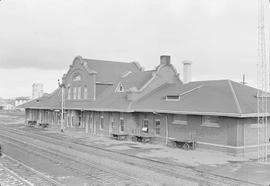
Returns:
(217,97)
(136,79)
(48,101)
(110,71)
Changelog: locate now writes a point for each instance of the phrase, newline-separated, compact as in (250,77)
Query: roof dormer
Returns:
(119,88)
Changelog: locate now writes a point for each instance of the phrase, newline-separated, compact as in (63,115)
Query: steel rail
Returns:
(159,166)
(116,177)
(40,174)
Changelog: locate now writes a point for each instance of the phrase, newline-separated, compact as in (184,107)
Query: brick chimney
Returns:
(187,71)
(165,60)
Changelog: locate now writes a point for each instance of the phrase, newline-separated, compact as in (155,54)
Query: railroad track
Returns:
(27,175)
(157,166)
(93,172)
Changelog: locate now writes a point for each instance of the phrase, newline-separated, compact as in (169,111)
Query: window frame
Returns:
(101,122)
(79,94)
(159,128)
(121,124)
(75,93)
(143,125)
(85,92)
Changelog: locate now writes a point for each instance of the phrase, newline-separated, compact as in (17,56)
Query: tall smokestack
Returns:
(187,71)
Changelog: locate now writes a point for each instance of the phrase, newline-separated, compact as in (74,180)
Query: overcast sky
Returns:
(40,38)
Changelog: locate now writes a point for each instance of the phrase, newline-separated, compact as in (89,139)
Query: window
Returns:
(112,121)
(210,121)
(85,92)
(179,120)
(68,120)
(122,125)
(74,92)
(119,88)
(172,98)
(69,92)
(79,93)
(157,122)
(145,126)
(77,78)
(101,125)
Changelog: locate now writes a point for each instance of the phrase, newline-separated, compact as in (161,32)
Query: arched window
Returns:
(79,93)
(85,92)
(74,92)
(69,92)
(77,77)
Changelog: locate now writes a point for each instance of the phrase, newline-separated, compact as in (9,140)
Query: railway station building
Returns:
(106,98)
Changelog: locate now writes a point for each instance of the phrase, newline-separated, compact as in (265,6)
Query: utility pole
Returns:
(262,87)
(62,86)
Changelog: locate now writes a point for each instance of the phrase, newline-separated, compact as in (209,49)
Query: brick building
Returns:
(105,97)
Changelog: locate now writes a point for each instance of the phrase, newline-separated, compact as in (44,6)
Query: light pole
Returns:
(62,86)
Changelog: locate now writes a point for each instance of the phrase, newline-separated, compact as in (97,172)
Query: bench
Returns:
(184,144)
(44,125)
(119,136)
(143,139)
(31,123)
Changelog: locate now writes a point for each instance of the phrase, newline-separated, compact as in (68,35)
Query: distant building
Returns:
(7,104)
(37,90)
(21,100)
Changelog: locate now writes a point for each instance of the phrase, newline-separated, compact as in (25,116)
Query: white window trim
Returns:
(121,119)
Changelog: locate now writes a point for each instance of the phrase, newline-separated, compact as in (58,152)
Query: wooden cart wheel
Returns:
(186,146)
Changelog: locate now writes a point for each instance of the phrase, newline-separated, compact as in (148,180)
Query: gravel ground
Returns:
(206,160)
